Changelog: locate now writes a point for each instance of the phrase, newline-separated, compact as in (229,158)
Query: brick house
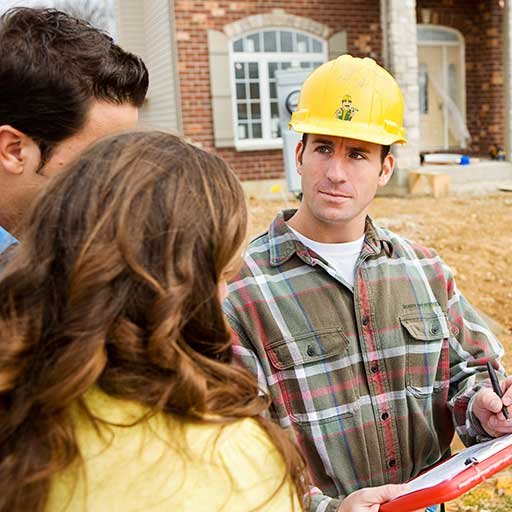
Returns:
(212,66)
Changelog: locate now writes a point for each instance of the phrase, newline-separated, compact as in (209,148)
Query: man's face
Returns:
(346,103)
(340,178)
(103,119)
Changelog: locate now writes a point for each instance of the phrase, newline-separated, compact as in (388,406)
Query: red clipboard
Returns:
(475,473)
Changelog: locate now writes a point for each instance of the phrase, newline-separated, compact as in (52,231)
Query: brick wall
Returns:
(194,18)
(480,22)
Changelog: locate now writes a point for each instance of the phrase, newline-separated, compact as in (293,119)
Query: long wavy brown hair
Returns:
(116,285)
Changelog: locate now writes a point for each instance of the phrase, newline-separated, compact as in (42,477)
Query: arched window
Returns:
(255,58)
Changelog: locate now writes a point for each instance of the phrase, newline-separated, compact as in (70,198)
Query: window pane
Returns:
(286,65)
(272,90)
(242,131)
(286,41)
(274,110)
(256,131)
(452,82)
(239,70)
(436,34)
(238,45)
(423,85)
(253,43)
(272,66)
(255,111)
(240,92)
(303,43)
(254,91)
(269,41)
(253,70)
(317,46)
(275,128)
(306,65)
(242,111)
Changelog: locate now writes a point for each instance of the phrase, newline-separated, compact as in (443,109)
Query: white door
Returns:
(442,89)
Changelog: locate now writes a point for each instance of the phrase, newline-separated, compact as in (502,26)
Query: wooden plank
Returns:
(429,182)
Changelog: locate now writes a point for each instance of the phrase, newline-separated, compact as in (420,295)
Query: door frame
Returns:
(462,71)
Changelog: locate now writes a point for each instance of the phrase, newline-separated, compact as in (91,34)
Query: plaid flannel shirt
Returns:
(372,380)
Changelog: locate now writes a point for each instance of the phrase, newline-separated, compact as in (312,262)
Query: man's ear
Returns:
(298,156)
(387,169)
(17,151)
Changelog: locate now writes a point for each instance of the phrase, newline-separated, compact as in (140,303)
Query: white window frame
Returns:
(263,59)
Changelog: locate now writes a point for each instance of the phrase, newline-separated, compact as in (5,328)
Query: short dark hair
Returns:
(52,66)
(383,152)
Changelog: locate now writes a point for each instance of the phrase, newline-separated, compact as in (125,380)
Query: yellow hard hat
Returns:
(376,110)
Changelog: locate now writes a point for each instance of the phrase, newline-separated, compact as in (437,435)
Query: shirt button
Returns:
(392,463)
(374,368)
(384,416)
(434,329)
(365,320)
(311,350)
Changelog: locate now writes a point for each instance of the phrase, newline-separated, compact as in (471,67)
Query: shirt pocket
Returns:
(427,353)
(314,373)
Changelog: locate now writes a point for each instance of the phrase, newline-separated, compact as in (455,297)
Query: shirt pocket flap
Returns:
(426,328)
(307,348)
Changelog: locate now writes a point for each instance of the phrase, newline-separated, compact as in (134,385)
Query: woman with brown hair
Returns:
(116,388)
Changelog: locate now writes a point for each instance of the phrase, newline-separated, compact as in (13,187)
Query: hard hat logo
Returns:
(347,110)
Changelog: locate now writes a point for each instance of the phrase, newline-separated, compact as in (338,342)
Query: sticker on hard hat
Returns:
(347,110)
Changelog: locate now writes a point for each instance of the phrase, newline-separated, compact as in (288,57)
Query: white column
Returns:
(399,29)
(507,35)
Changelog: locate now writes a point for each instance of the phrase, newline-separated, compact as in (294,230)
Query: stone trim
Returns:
(276,18)
(402,58)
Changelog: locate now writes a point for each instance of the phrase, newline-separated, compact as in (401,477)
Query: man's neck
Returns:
(328,233)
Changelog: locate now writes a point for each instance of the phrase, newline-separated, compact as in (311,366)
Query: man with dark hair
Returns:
(63,85)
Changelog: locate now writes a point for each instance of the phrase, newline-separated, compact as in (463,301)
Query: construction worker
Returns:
(370,354)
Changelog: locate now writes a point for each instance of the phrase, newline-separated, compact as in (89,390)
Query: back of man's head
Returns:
(53,66)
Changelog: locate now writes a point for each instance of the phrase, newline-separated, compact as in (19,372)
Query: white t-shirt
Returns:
(342,257)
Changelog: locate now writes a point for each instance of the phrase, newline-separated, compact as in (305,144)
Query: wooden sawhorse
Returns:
(423,182)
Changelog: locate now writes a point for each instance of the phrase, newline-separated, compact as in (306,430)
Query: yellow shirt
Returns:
(167,464)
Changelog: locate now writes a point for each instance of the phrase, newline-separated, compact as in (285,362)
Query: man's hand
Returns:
(370,498)
(487,407)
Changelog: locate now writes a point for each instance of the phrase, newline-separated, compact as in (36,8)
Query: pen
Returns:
(496,386)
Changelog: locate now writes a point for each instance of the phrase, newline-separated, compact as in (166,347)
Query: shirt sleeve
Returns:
(472,344)
(247,357)
(243,351)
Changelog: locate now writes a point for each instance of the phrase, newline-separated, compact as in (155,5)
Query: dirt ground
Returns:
(473,234)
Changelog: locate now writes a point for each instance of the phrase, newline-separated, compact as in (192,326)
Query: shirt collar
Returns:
(6,240)
(283,243)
